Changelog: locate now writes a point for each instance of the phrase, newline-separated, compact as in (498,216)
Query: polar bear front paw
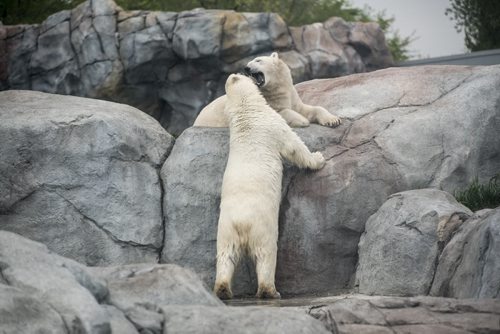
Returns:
(319,160)
(329,120)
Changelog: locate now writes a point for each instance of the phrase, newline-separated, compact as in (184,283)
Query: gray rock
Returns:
(368,40)
(146,56)
(53,49)
(325,54)
(61,284)
(140,290)
(83,173)
(363,314)
(20,47)
(252,33)
(117,320)
(198,34)
(469,266)
(247,320)
(414,122)
(22,313)
(393,139)
(150,286)
(399,250)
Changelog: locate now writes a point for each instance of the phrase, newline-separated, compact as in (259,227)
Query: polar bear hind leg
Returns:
(228,255)
(293,118)
(317,114)
(263,248)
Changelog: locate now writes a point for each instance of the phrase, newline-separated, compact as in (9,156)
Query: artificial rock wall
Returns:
(170,65)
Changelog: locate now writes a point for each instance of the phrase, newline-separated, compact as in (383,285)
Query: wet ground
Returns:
(286,302)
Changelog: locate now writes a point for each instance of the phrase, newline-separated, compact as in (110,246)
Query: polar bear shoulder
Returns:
(213,115)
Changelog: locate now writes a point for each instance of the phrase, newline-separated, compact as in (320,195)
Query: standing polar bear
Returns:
(251,187)
(275,82)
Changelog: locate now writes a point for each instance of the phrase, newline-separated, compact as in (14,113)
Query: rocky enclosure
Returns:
(104,184)
(44,292)
(170,65)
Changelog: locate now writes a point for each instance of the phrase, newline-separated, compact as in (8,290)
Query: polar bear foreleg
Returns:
(295,151)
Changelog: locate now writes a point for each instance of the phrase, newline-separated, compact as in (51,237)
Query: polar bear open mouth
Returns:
(259,77)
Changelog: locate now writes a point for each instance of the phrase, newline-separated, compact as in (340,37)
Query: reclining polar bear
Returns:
(251,187)
(275,82)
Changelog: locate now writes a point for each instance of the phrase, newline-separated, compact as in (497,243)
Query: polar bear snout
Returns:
(259,77)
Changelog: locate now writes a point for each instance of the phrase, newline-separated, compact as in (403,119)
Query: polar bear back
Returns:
(252,179)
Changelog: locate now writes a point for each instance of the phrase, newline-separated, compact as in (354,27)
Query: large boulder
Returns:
(82,176)
(245,320)
(43,292)
(22,313)
(397,134)
(469,266)
(400,247)
(61,285)
(170,65)
(359,314)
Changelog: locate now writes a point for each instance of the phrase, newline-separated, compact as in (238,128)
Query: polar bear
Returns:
(251,187)
(275,82)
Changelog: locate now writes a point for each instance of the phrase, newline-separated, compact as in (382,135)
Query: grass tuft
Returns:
(480,196)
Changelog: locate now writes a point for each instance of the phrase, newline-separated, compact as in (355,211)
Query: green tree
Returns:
(398,45)
(479,20)
(32,11)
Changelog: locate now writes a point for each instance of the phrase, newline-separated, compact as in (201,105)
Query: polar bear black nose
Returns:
(247,70)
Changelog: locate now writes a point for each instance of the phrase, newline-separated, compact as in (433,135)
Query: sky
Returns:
(434,32)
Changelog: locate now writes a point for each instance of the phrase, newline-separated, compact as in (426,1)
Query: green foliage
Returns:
(480,196)
(294,12)
(398,45)
(480,21)
(32,11)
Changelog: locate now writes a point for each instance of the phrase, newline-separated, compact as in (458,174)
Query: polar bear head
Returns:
(269,71)
(239,86)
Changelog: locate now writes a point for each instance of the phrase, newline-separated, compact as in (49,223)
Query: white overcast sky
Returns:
(435,32)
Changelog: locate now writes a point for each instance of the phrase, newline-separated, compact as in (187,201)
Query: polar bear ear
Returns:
(274,55)
(233,78)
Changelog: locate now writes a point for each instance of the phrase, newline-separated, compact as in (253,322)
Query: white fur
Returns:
(251,188)
(280,95)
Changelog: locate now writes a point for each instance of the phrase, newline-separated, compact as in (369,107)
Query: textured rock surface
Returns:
(22,313)
(81,176)
(362,315)
(171,65)
(399,250)
(62,285)
(45,293)
(246,320)
(138,285)
(469,266)
(398,134)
